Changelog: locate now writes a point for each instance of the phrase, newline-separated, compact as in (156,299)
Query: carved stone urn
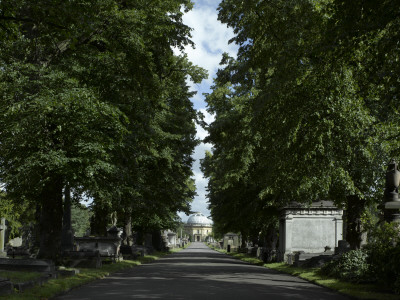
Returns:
(392,182)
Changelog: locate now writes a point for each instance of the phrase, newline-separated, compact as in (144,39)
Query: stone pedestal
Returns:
(309,229)
(3,228)
(391,193)
(171,239)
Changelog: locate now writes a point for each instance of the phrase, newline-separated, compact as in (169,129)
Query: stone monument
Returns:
(3,228)
(230,242)
(309,229)
(391,194)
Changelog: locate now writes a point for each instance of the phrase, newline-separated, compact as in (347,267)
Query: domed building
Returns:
(198,227)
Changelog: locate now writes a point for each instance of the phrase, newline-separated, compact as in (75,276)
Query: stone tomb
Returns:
(230,242)
(315,229)
(171,238)
(107,246)
(31,265)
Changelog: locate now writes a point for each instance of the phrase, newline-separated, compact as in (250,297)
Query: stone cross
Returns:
(3,228)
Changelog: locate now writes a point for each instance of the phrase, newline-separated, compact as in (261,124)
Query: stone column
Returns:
(288,235)
(281,245)
(338,231)
(391,193)
(3,228)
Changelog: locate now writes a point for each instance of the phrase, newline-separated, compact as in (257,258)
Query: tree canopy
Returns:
(93,97)
(308,110)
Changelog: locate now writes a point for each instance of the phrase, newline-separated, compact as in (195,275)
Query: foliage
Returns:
(80,219)
(384,251)
(304,112)
(357,290)
(352,266)
(377,262)
(11,211)
(94,98)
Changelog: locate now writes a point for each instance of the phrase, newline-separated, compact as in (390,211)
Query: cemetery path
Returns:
(198,272)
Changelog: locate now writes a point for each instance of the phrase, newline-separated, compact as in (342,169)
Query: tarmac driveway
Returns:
(198,272)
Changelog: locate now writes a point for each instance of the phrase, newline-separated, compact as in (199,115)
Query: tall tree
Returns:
(83,86)
(313,122)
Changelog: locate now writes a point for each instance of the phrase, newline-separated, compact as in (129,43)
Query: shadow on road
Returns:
(201,273)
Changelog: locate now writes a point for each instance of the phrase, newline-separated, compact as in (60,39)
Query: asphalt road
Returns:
(200,273)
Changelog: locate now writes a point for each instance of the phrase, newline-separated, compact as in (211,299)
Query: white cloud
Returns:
(211,39)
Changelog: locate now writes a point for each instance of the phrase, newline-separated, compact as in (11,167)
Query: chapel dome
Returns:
(199,219)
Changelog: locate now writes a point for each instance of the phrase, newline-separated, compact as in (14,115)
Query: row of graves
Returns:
(78,252)
(312,235)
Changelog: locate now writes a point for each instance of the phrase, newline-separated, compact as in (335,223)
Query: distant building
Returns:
(198,227)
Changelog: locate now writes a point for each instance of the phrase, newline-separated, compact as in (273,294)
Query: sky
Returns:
(211,40)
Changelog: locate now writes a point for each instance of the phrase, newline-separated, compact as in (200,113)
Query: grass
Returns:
(17,277)
(360,291)
(60,285)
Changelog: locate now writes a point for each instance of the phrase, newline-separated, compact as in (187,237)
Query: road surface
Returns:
(198,272)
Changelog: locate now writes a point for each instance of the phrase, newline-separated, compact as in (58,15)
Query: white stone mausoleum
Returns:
(198,227)
(311,229)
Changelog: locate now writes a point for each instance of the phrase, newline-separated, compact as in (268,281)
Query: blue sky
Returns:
(211,39)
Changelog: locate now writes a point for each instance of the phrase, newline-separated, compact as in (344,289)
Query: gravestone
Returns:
(3,228)
(309,229)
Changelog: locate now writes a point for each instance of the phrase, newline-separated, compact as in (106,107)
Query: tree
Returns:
(80,219)
(313,124)
(86,88)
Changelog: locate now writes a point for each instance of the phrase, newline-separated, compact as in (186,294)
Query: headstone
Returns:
(3,228)
(343,247)
(309,229)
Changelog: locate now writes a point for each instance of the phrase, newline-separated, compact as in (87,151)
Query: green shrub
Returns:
(384,254)
(351,266)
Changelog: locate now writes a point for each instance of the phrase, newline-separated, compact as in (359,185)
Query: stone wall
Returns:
(310,229)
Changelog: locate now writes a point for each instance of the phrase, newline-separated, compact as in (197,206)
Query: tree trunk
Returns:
(355,208)
(271,237)
(51,220)
(98,222)
(67,237)
(244,241)
(128,239)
